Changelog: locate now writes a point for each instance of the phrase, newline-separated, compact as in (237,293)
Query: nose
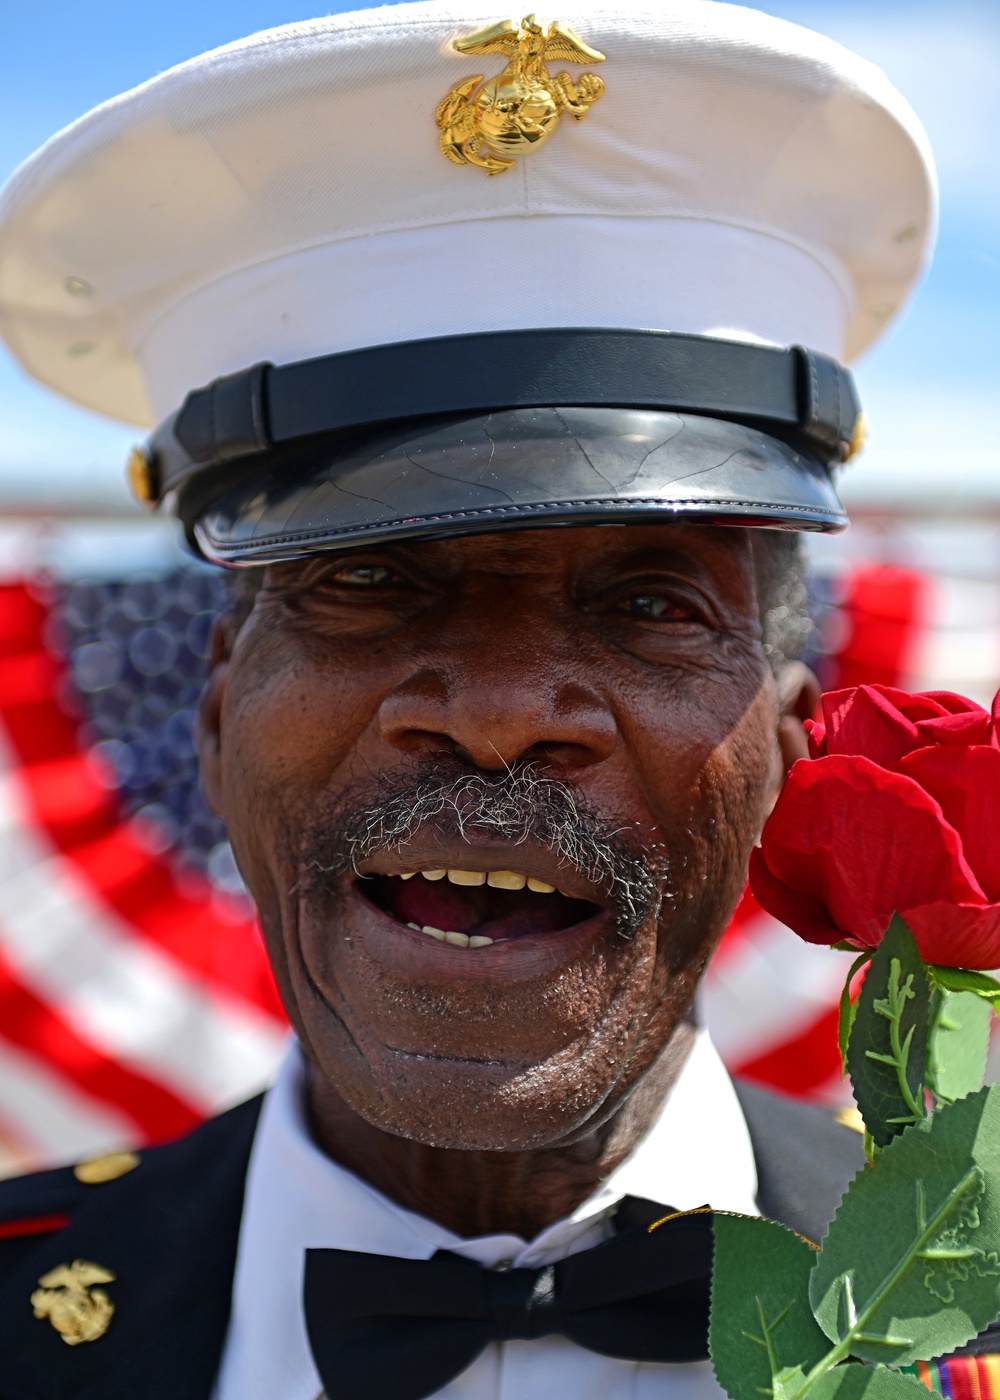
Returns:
(498,713)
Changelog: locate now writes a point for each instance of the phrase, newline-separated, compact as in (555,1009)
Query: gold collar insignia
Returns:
(78,1310)
(516,112)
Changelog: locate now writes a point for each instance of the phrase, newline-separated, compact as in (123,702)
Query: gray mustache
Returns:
(517,806)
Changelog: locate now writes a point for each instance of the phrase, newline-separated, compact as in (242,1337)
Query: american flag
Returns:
(135,997)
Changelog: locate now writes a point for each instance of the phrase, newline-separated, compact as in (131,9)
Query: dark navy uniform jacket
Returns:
(168,1231)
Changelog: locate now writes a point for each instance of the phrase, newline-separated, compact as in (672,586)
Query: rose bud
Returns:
(897,810)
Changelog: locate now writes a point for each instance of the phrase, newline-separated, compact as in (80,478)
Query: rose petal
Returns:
(949,703)
(866,721)
(862,842)
(954,730)
(961,720)
(803,912)
(957,935)
(966,785)
(816,735)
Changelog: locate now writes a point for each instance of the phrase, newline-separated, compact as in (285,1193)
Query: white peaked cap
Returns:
(285,197)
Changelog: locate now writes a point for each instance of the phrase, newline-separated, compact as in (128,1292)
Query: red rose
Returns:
(897,810)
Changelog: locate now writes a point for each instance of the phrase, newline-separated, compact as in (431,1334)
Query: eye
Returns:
(657,608)
(364,576)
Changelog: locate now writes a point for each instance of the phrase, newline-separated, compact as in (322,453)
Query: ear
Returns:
(798,695)
(208,729)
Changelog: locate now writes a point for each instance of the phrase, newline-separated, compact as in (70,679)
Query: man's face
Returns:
(586,708)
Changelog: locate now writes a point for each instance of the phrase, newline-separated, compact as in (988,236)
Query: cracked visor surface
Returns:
(512,470)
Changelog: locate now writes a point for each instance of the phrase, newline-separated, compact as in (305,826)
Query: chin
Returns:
(461,1105)
(478,1064)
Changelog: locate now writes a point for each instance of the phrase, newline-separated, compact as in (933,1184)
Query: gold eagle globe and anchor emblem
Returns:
(516,112)
(76,1307)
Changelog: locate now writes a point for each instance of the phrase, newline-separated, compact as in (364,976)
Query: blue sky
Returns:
(932,387)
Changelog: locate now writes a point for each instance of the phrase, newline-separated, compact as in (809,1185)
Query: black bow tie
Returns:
(403,1328)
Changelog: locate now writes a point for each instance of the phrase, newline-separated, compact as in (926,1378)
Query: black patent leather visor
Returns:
(515,469)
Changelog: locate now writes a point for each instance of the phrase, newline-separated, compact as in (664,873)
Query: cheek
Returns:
(729,805)
(728,810)
(293,710)
(711,731)
(739,774)
(291,719)
(706,779)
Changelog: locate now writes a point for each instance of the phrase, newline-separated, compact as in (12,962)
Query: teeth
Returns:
(498,879)
(467,877)
(506,880)
(460,940)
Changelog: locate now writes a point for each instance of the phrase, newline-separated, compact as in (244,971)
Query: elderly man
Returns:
(492,784)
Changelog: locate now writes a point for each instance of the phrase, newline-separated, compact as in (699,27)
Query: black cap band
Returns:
(806,398)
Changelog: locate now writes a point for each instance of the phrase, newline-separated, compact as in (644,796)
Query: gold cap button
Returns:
(859,437)
(142,477)
(108,1167)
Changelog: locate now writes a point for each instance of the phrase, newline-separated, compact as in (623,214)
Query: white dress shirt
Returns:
(697,1151)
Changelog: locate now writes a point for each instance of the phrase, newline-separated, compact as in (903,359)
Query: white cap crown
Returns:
(286,197)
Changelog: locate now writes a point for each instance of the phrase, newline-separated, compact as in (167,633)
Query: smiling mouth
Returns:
(475,908)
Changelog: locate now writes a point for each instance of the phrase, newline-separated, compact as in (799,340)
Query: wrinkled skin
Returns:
(492,1089)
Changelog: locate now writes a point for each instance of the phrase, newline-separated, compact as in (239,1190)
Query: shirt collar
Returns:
(696,1152)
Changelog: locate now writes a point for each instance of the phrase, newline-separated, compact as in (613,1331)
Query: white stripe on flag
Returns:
(767,988)
(52,1121)
(119,992)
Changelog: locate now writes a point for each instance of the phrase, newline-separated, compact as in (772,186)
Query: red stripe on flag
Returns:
(67,799)
(38,728)
(140,889)
(81,818)
(742,926)
(22,619)
(883,609)
(799,1066)
(28,1022)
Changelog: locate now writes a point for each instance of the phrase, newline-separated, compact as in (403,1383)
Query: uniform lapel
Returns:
(169,1232)
(805,1159)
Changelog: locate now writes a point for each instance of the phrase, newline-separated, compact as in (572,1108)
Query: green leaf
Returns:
(761,1321)
(851,1382)
(788,1383)
(957,1045)
(847,1008)
(887,1050)
(910,1268)
(960,979)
